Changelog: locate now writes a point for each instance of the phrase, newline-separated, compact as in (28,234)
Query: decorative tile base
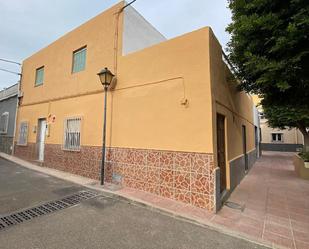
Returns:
(186,177)
(27,152)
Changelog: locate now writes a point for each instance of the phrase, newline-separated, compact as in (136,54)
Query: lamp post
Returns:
(106,78)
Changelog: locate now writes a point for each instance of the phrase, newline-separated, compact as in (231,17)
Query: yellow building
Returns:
(177,126)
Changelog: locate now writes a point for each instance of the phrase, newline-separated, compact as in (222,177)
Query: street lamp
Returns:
(106,78)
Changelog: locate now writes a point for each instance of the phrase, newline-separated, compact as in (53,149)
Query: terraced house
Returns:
(8,106)
(176,125)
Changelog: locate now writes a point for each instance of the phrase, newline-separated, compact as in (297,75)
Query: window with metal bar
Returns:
(23,134)
(72,135)
(4,122)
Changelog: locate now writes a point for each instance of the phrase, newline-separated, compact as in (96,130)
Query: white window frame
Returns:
(276,140)
(72,147)
(25,133)
(4,115)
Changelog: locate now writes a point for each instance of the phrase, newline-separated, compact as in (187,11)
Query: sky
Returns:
(27,26)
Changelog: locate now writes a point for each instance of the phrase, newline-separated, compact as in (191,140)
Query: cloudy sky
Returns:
(29,25)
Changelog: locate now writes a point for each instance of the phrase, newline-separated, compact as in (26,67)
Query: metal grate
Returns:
(46,208)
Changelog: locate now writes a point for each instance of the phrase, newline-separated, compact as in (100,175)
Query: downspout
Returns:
(117,34)
(16,111)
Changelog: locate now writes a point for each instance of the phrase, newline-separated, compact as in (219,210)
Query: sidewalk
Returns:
(276,203)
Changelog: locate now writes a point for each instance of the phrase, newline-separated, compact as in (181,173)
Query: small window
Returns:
(72,134)
(79,60)
(4,122)
(277,137)
(39,76)
(262,115)
(23,134)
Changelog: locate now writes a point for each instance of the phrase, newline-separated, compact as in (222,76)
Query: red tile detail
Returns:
(166,160)
(199,200)
(199,183)
(183,196)
(166,177)
(183,162)
(182,180)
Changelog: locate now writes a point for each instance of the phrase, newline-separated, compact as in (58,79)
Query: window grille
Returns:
(23,133)
(72,134)
(4,122)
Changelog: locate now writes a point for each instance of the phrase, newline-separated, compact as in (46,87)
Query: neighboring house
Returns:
(280,140)
(177,127)
(8,105)
(289,140)
(257,129)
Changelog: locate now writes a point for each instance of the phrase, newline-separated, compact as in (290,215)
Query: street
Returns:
(100,222)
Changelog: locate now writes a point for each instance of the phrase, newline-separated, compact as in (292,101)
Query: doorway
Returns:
(221,157)
(41,138)
(256,136)
(244,143)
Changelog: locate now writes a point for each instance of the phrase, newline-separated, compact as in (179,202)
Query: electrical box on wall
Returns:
(48,130)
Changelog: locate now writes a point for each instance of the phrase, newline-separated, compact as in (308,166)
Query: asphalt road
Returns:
(102,222)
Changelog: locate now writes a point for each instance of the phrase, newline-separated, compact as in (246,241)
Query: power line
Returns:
(8,71)
(9,61)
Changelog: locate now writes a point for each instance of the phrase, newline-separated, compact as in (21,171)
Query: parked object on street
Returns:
(8,105)
(176,124)
(301,166)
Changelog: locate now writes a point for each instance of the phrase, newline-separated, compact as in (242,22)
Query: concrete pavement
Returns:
(21,188)
(103,222)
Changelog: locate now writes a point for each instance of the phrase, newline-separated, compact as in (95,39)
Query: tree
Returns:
(269,48)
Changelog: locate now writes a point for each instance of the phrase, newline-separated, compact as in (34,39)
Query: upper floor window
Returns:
(4,122)
(277,137)
(79,60)
(23,134)
(39,76)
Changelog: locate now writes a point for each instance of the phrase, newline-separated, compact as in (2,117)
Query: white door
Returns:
(41,138)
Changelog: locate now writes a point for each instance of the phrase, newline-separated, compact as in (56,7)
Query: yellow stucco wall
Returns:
(144,111)
(66,94)
(237,107)
(147,112)
(59,81)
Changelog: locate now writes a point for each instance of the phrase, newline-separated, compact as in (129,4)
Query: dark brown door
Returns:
(221,150)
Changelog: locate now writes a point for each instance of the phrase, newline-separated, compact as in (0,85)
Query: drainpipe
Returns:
(16,112)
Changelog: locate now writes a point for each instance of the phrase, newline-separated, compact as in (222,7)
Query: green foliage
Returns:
(286,116)
(304,156)
(269,47)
